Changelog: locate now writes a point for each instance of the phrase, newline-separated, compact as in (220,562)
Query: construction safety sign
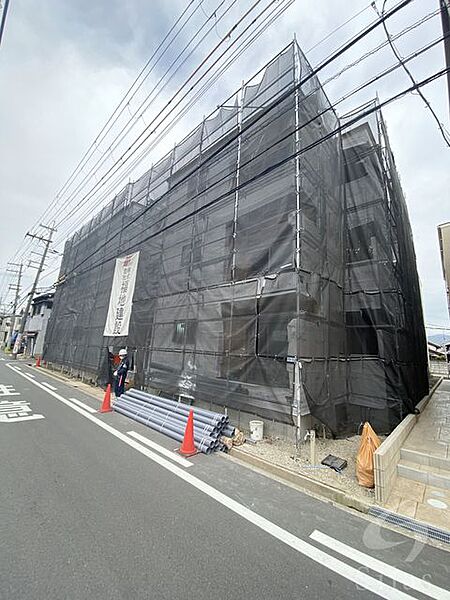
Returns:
(121,300)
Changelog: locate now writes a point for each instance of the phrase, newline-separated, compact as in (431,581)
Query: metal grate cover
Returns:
(411,524)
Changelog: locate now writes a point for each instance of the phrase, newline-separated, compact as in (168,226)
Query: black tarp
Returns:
(250,259)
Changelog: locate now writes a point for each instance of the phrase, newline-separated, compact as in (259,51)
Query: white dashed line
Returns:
(82,405)
(175,457)
(50,387)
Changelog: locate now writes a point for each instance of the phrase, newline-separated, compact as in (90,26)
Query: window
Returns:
(195,252)
(185,255)
(184,332)
(361,242)
(355,169)
(362,340)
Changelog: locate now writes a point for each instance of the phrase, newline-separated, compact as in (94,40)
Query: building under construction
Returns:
(269,266)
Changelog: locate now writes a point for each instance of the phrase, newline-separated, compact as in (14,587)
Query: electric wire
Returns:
(248,41)
(126,99)
(29,243)
(372,26)
(349,123)
(143,107)
(113,117)
(397,54)
(265,111)
(338,28)
(154,125)
(255,4)
(404,3)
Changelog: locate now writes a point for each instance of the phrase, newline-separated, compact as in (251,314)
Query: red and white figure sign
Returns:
(121,299)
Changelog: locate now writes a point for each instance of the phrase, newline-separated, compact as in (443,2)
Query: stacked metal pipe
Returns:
(170,417)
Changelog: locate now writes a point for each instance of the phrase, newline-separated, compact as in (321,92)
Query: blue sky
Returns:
(64,66)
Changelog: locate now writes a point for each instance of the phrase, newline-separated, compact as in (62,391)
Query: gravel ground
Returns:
(281,452)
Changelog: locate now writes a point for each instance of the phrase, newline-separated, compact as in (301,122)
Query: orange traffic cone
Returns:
(106,406)
(38,361)
(187,447)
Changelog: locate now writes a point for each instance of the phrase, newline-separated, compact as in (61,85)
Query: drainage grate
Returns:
(426,530)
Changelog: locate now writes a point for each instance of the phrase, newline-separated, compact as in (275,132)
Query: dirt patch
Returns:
(283,453)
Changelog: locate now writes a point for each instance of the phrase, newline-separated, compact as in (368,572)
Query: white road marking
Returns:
(175,457)
(8,390)
(31,375)
(82,405)
(50,387)
(13,411)
(408,580)
(18,368)
(5,419)
(2,359)
(303,547)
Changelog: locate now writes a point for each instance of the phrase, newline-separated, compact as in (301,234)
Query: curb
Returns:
(422,404)
(69,381)
(326,492)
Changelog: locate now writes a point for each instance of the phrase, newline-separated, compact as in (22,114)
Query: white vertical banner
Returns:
(121,299)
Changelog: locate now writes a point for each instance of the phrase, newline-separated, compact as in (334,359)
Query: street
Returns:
(89,510)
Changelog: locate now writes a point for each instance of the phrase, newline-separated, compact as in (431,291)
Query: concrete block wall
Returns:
(387,456)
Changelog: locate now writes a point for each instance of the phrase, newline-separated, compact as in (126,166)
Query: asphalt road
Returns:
(88,512)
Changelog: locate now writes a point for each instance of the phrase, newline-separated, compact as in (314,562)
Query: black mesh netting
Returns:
(252,258)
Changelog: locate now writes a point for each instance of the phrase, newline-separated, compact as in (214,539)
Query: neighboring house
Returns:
(444,246)
(438,356)
(5,324)
(36,324)
(435,352)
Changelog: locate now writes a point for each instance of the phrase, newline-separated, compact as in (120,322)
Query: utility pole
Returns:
(16,289)
(47,242)
(3,21)
(445,18)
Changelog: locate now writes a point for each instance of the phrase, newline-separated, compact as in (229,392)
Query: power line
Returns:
(326,36)
(283,97)
(364,85)
(349,123)
(28,242)
(247,42)
(79,206)
(145,103)
(124,102)
(98,138)
(411,77)
(3,21)
(124,158)
(334,31)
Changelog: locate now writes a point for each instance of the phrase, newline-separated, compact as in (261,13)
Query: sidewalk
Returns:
(422,489)
(91,390)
